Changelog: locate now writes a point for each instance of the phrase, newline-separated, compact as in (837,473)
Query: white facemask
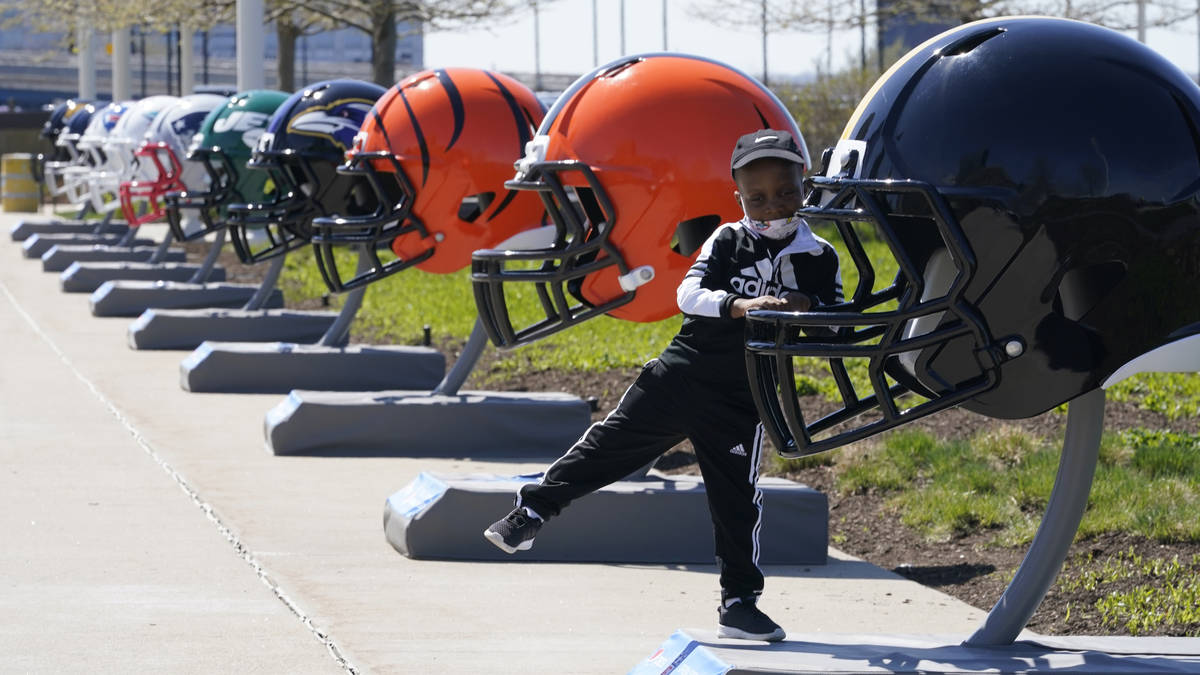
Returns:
(777,228)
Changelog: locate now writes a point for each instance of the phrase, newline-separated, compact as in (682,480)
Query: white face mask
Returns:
(777,228)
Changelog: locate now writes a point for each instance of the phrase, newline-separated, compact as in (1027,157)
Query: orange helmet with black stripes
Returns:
(632,163)
(436,149)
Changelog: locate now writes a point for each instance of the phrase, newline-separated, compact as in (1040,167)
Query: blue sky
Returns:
(566,45)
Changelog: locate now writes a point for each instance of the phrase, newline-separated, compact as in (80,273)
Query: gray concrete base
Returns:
(477,424)
(59,258)
(659,519)
(703,653)
(279,367)
(188,328)
(125,297)
(27,228)
(87,277)
(37,245)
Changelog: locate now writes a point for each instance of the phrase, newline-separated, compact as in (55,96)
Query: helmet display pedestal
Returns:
(87,277)
(330,364)
(999,645)
(443,422)
(657,519)
(127,249)
(67,231)
(259,320)
(104,231)
(137,289)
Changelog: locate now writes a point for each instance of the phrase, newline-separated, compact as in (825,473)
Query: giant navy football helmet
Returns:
(632,165)
(305,141)
(435,152)
(222,148)
(1046,231)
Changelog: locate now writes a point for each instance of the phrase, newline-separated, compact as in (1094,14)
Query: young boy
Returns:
(698,388)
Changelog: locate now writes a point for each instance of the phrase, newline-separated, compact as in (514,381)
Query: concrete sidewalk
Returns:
(148,528)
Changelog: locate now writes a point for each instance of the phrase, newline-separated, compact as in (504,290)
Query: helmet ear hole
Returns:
(473,206)
(691,234)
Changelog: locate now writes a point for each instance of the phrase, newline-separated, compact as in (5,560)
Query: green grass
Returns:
(1147,483)
(1175,395)
(397,309)
(1171,600)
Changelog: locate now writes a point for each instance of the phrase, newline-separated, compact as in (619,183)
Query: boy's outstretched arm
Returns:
(794,302)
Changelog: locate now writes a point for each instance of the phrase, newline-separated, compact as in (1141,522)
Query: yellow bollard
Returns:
(19,189)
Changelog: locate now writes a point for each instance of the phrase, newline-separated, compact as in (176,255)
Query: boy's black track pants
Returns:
(658,411)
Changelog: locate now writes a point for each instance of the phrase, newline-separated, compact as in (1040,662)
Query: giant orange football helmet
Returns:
(436,150)
(632,164)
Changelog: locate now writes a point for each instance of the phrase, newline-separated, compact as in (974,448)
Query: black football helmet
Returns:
(1037,181)
(305,141)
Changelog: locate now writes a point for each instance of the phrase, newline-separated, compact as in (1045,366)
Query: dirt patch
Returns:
(970,568)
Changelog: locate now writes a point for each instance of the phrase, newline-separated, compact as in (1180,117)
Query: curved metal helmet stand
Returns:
(1068,499)
(339,331)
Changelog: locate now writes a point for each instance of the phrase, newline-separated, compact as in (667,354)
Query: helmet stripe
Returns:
(456,105)
(412,117)
(507,199)
(523,134)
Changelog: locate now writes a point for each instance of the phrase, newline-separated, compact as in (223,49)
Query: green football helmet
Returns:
(223,145)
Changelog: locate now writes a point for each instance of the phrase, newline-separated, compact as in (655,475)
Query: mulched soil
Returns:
(971,568)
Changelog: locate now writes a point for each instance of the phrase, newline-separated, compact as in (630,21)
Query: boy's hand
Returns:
(796,302)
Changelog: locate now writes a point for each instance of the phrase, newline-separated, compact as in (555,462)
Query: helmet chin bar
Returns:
(151,191)
(930,311)
(221,192)
(392,217)
(581,247)
(284,221)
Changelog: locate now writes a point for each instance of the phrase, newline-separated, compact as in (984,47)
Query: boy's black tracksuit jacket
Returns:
(698,390)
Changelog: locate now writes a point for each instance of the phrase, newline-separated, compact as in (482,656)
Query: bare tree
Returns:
(378,19)
(815,17)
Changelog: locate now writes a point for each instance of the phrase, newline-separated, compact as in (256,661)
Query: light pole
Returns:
(764,39)
(537,48)
(622,27)
(85,60)
(121,85)
(250,52)
(664,13)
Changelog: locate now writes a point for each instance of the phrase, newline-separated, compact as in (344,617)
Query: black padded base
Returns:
(700,651)
(37,245)
(481,424)
(130,298)
(27,228)
(188,328)
(279,367)
(59,258)
(658,519)
(87,277)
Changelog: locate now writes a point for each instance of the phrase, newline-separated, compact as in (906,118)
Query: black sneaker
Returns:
(515,532)
(745,621)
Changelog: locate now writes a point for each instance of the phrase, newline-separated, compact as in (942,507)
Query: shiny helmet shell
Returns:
(160,166)
(221,148)
(435,151)
(1047,234)
(306,139)
(632,164)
